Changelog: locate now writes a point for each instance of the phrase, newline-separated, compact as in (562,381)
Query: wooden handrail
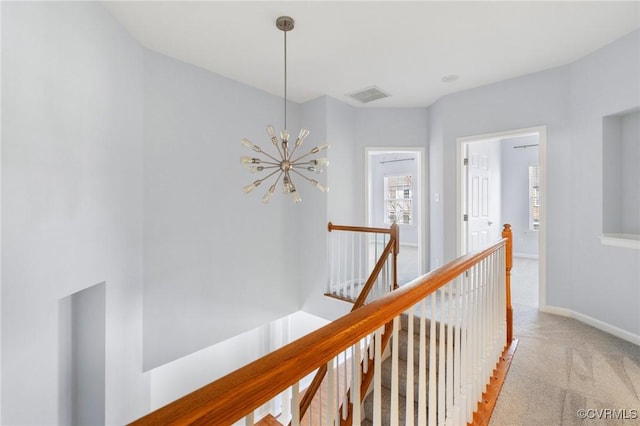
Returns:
(332,227)
(237,394)
(362,297)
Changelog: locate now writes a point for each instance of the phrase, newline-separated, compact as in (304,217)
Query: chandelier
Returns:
(284,164)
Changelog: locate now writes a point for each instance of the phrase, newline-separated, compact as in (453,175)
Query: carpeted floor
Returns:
(564,370)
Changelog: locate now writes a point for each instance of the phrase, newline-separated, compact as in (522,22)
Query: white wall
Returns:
(349,130)
(72,106)
(515,164)
(389,128)
(177,378)
(604,280)
(571,102)
(533,100)
(330,122)
(217,262)
(631,173)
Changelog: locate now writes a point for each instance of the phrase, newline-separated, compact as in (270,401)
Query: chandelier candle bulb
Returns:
(267,197)
(321,187)
(303,134)
(284,135)
(246,142)
(295,196)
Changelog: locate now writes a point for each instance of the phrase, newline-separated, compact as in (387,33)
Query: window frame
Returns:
(407,198)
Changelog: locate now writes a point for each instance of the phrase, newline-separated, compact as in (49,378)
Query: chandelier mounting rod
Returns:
(285,24)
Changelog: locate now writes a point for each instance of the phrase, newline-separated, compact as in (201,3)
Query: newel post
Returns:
(395,236)
(506,233)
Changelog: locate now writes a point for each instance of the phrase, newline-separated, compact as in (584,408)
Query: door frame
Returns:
(461,200)
(421,188)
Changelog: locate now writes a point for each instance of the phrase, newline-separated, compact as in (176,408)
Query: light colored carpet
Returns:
(563,366)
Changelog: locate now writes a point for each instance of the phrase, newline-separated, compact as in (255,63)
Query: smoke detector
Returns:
(368,94)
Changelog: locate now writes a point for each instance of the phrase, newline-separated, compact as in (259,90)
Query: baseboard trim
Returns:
(525,255)
(596,323)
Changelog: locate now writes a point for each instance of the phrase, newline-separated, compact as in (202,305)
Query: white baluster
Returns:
(441,360)
(433,379)
(464,348)
(357,380)
(320,401)
(295,404)
(362,258)
(286,405)
(353,264)
(456,352)
(409,392)
(422,363)
(249,420)
(331,400)
(394,373)
(345,403)
(472,352)
(377,379)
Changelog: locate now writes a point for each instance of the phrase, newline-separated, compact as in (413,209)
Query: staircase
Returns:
(403,335)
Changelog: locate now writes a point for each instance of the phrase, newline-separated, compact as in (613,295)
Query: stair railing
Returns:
(459,316)
(353,252)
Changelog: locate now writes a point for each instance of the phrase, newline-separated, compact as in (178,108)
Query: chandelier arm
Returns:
(275,182)
(270,167)
(300,174)
(269,162)
(288,176)
(269,175)
(302,156)
(295,146)
(271,156)
(279,152)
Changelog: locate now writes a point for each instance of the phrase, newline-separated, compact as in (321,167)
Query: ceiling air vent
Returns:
(368,94)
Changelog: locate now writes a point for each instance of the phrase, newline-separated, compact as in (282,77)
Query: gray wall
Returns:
(604,280)
(515,192)
(72,105)
(631,173)
(120,166)
(570,101)
(207,244)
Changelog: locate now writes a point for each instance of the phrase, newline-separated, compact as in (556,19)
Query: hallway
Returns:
(563,366)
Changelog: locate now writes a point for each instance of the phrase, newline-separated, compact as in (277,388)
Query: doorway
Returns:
(394,193)
(501,179)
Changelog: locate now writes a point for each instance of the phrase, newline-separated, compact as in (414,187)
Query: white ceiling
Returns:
(405,48)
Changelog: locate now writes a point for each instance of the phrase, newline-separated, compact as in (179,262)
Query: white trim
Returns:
(631,241)
(422,224)
(541,132)
(596,323)
(526,255)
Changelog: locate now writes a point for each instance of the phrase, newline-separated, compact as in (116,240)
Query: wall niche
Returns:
(621,177)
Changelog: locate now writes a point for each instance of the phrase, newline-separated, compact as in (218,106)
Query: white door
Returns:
(483,194)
